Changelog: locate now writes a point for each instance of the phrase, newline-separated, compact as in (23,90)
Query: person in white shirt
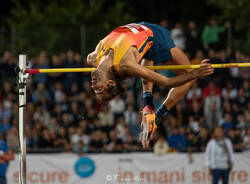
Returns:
(219,157)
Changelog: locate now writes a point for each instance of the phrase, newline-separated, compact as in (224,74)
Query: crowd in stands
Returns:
(63,114)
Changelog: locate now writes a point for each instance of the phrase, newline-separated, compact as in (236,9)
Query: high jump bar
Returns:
(165,67)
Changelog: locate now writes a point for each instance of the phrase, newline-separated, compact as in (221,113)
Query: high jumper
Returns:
(125,52)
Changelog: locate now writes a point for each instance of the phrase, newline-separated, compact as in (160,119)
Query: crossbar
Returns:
(165,67)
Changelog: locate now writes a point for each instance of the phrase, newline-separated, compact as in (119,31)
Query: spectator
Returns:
(177,141)
(211,34)
(130,115)
(211,87)
(229,91)
(246,143)
(117,106)
(130,143)
(45,141)
(203,139)
(178,36)
(6,155)
(227,123)
(212,110)
(80,136)
(80,148)
(164,23)
(12,139)
(106,116)
(160,147)
(96,144)
(235,139)
(193,40)
(219,157)
(194,95)
(193,125)
(42,115)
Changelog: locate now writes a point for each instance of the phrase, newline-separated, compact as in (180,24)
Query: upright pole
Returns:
(22,77)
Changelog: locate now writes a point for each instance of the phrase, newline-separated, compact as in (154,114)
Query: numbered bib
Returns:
(135,28)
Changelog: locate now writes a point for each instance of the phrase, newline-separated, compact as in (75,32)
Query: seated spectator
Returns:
(80,148)
(96,143)
(246,88)
(193,38)
(32,138)
(191,145)
(80,135)
(241,99)
(12,139)
(199,56)
(160,147)
(4,112)
(203,139)
(235,139)
(117,106)
(212,110)
(130,143)
(106,117)
(40,92)
(229,91)
(194,95)
(130,115)
(45,141)
(177,141)
(193,124)
(178,36)
(211,87)
(246,141)
(41,115)
(227,123)
(61,140)
(112,139)
(5,126)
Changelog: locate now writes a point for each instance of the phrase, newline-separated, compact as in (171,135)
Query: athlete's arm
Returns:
(134,69)
(91,59)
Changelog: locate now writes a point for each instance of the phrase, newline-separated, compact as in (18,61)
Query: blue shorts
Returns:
(162,43)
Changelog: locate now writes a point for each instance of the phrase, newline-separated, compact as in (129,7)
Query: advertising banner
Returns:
(126,168)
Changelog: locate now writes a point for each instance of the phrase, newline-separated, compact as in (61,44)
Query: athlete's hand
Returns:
(204,70)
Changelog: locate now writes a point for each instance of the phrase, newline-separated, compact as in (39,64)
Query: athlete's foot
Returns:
(148,125)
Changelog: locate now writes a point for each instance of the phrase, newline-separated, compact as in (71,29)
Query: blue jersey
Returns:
(3,167)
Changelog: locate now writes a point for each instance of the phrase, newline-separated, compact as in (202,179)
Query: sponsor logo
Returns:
(84,167)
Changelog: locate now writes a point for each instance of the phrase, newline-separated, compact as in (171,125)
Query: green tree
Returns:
(55,25)
(238,12)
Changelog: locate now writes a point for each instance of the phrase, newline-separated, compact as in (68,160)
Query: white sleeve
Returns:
(208,159)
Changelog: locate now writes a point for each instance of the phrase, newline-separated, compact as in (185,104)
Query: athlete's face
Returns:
(100,85)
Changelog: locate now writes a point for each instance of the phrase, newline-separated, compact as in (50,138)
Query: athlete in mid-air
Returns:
(125,52)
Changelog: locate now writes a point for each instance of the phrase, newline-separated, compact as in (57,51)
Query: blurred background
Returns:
(63,115)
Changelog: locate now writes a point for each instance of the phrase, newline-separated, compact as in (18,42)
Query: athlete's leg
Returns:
(147,86)
(177,93)
(148,125)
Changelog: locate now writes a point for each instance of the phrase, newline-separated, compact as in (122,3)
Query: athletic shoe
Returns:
(148,126)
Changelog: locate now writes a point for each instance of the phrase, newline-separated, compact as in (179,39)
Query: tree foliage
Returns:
(55,25)
(238,12)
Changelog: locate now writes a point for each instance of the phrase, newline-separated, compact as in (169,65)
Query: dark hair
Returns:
(119,87)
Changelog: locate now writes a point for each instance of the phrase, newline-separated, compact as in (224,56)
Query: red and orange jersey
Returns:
(124,37)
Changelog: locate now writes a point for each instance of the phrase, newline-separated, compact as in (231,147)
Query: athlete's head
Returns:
(107,85)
